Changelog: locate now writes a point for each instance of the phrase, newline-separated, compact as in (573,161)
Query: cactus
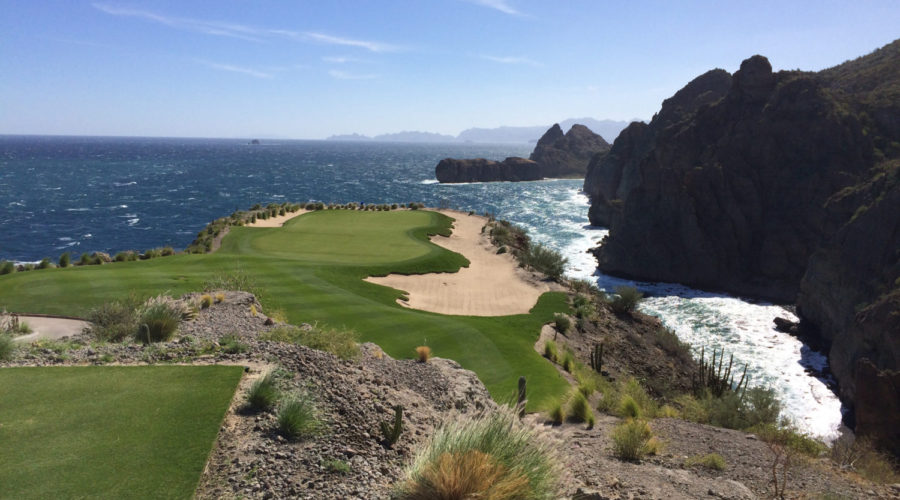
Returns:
(597,358)
(711,377)
(390,432)
(520,403)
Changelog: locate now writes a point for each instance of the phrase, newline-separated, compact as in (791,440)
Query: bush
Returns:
(860,454)
(337,466)
(166,251)
(232,344)
(568,361)
(546,260)
(64,260)
(491,456)
(7,347)
(579,409)
(263,393)
(562,323)
(628,407)
(7,267)
(626,299)
(113,321)
(298,417)
(205,301)
(423,353)
(556,412)
(551,352)
(44,264)
(159,319)
(633,440)
(220,297)
(712,461)
(341,343)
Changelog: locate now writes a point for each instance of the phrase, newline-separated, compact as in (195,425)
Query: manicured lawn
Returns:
(313,269)
(109,432)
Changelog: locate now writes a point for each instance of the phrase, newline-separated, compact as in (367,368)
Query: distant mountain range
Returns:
(608,129)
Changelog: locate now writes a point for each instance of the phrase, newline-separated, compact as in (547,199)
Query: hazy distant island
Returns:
(556,155)
(498,135)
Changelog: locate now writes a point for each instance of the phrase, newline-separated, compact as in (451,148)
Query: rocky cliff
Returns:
(775,185)
(556,155)
(567,155)
(450,170)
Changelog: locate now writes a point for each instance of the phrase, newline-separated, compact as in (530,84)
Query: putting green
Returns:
(109,432)
(313,270)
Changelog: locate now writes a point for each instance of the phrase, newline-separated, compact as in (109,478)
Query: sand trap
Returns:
(50,328)
(276,221)
(492,285)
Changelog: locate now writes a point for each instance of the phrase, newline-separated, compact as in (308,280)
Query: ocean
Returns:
(85,194)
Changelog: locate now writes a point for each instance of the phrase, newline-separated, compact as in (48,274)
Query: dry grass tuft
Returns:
(472,474)
(423,353)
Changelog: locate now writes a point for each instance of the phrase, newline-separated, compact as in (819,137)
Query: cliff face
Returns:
(775,185)
(567,155)
(451,170)
(555,155)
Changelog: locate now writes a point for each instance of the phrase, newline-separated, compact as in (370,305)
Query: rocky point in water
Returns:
(784,186)
(555,155)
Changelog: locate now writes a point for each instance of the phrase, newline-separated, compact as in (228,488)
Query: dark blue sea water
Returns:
(84,194)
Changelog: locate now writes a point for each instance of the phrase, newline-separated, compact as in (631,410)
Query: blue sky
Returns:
(310,69)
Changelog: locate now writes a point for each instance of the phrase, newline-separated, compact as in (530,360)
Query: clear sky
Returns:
(310,69)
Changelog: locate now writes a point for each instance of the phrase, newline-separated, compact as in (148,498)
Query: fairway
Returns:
(110,432)
(313,269)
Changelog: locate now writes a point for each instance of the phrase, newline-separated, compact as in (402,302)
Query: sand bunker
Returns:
(276,221)
(492,285)
(50,328)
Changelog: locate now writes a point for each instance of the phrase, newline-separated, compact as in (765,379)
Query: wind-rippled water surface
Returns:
(80,194)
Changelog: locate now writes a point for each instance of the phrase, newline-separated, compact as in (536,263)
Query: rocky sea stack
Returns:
(780,185)
(555,155)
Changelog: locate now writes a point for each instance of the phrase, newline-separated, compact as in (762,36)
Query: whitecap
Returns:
(133,221)
(123,184)
(78,209)
(429,181)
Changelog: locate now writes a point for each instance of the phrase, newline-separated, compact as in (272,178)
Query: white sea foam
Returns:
(123,184)
(429,181)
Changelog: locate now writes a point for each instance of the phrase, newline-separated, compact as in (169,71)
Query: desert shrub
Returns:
(578,408)
(633,440)
(502,250)
(44,264)
(423,353)
(288,334)
(625,300)
(551,351)
(628,407)
(636,391)
(263,393)
(7,347)
(28,267)
(84,260)
(668,411)
(159,318)
(151,253)
(166,251)
(692,409)
(546,260)
(712,461)
(758,406)
(336,466)
(491,456)
(237,280)
(7,267)
(114,321)
(861,455)
(668,341)
(206,300)
(220,297)
(556,411)
(64,260)
(562,323)
(231,344)
(298,416)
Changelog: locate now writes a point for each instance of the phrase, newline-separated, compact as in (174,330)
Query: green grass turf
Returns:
(313,269)
(109,432)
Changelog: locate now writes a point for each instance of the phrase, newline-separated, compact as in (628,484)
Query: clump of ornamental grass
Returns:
(568,361)
(205,301)
(114,321)
(159,317)
(340,342)
(490,456)
(423,353)
(231,344)
(263,393)
(551,351)
(220,297)
(556,411)
(633,440)
(562,323)
(579,410)
(298,416)
(7,346)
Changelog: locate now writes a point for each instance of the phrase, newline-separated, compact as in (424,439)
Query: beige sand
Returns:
(50,328)
(492,285)
(277,221)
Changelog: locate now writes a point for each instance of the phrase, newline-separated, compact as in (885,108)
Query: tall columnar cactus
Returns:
(711,377)
(597,358)
(390,432)
(520,403)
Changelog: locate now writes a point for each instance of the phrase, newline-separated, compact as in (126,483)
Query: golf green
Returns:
(109,432)
(313,269)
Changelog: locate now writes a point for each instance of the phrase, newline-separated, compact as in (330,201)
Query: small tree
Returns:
(64,260)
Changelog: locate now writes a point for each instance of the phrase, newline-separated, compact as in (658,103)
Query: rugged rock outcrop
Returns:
(556,155)
(451,170)
(567,155)
(775,185)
